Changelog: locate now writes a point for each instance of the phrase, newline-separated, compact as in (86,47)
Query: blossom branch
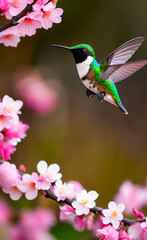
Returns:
(14,20)
(96,210)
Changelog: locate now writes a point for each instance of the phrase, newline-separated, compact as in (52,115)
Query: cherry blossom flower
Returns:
(77,188)
(133,196)
(84,202)
(10,37)
(12,106)
(66,211)
(9,178)
(14,192)
(108,233)
(6,149)
(9,175)
(62,191)
(114,214)
(16,133)
(48,175)
(81,222)
(4,6)
(124,236)
(28,185)
(50,14)
(15,6)
(27,26)
(33,225)
(36,92)
(5,118)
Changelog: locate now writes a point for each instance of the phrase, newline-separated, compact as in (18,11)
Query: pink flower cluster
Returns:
(37,93)
(132,195)
(11,129)
(30,224)
(43,15)
(109,226)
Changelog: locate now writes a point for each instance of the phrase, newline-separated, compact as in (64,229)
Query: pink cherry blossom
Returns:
(81,223)
(62,191)
(133,196)
(124,236)
(108,233)
(16,133)
(13,191)
(27,26)
(40,218)
(50,15)
(12,107)
(84,202)
(15,6)
(10,37)
(135,231)
(6,149)
(48,175)
(113,214)
(36,92)
(28,185)
(33,225)
(5,212)
(77,188)
(5,118)
(9,175)
(66,211)
(4,6)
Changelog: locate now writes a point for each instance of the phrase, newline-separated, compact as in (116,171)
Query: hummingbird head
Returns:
(80,52)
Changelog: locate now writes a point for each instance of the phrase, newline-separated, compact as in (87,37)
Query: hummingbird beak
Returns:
(60,46)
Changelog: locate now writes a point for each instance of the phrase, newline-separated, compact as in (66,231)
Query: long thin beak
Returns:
(68,48)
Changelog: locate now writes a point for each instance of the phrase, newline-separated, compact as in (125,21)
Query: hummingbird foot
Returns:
(89,93)
(101,96)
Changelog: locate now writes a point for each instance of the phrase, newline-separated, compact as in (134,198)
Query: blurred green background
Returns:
(95,144)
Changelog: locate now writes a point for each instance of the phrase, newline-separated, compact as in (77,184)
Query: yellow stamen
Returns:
(84,202)
(114,214)
(9,109)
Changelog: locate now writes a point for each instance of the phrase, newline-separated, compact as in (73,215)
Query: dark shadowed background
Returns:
(95,144)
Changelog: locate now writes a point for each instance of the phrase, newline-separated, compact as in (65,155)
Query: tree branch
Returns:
(14,20)
(96,210)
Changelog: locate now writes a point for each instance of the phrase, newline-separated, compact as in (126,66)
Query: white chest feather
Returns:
(84,66)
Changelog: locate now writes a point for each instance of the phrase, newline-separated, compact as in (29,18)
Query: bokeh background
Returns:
(95,144)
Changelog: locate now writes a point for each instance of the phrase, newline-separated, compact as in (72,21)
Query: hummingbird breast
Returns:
(97,85)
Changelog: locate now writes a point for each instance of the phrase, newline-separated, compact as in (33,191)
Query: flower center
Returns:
(15,4)
(14,188)
(84,202)
(2,117)
(32,185)
(28,21)
(49,175)
(9,109)
(46,14)
(61,191)
(114,214)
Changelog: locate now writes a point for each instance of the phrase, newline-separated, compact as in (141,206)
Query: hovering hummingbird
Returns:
(100,78)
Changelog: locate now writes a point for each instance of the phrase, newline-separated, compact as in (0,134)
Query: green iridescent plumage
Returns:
(100,78)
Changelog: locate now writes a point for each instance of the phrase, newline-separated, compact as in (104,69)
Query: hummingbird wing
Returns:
(119,56)
(126,70)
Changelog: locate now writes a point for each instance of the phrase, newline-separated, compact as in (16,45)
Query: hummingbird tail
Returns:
(122,107)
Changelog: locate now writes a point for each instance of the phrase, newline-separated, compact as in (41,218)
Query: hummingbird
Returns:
(100,78)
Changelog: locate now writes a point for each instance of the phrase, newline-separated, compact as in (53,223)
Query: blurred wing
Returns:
(124,52)
(119,56)
(126,70)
